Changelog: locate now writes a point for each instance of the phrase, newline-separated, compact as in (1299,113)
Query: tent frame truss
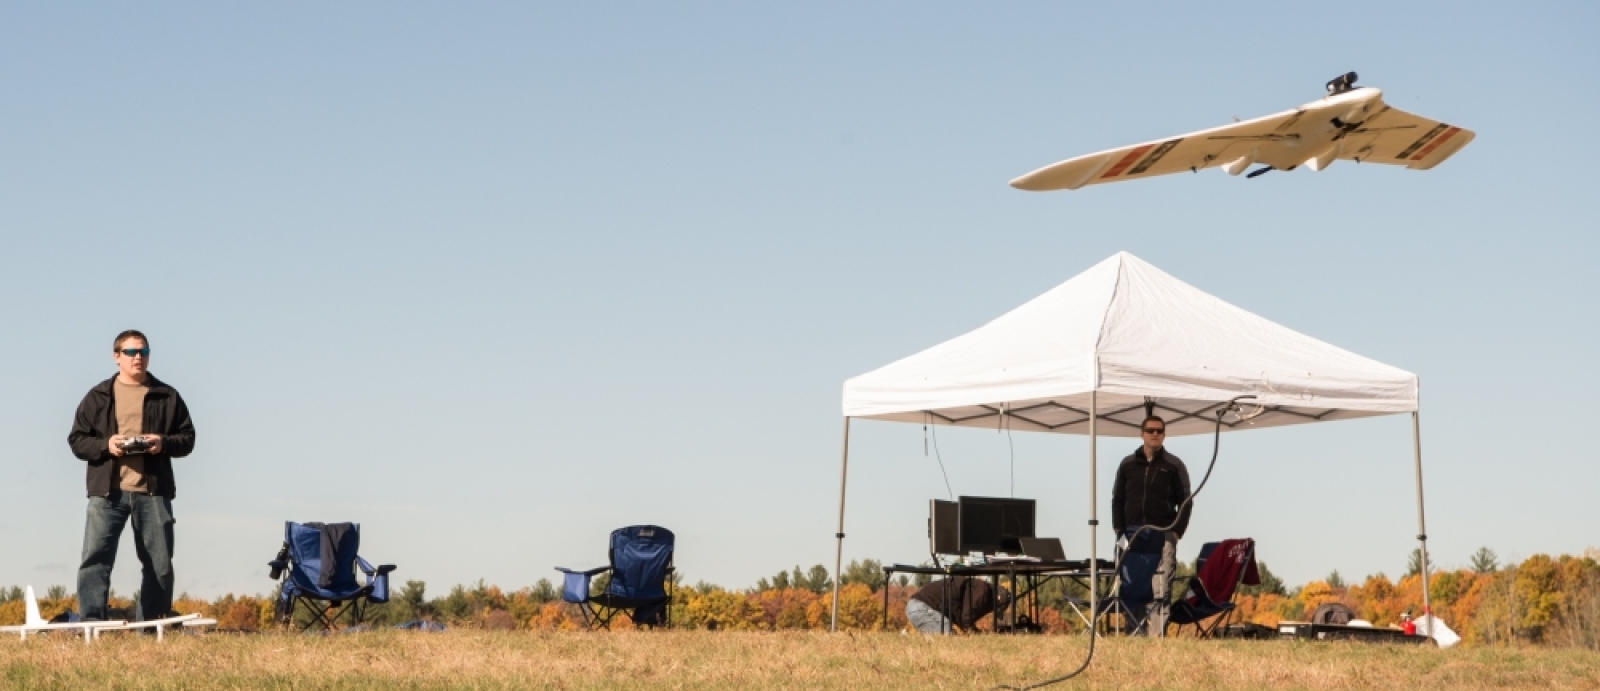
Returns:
(999,413)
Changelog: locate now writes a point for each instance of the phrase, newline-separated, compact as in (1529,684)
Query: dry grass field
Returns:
(393,660)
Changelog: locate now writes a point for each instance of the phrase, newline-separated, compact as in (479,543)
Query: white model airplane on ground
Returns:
(1351,122)
(32,622)
(158,625)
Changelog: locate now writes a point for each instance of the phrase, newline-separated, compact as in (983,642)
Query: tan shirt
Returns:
(130,423)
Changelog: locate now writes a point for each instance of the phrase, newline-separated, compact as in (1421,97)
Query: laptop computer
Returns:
(1044,548)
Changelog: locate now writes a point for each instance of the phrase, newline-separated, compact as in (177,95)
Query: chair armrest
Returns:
(377,580)
(590,572)
(575,584)
(372,571)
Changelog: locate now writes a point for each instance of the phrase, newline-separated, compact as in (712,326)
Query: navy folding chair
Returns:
(318,566)
(1135,588)
(1218,571)
(640,579)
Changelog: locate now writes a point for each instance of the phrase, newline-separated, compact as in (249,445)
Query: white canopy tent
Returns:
(1090,354)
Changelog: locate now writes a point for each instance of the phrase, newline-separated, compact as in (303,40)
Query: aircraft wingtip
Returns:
(1028,183)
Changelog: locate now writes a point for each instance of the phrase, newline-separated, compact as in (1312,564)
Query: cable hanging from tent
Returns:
(1012,448)
(936,456)
(1216,445)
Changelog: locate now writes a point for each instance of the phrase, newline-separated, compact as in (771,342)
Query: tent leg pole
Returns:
(838,536)
(1422,525)
(1094,516)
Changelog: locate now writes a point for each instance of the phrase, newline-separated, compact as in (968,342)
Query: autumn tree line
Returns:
(1543,600)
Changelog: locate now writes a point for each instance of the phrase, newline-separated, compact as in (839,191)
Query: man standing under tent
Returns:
(1151,491)
(127,431)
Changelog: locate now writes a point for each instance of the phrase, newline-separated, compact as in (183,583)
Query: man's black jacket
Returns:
(1148,493)
(96,422)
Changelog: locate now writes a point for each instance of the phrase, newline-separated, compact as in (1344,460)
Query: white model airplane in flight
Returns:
(1351,122)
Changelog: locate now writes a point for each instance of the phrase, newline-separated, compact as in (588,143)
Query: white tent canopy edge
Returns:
(1088,356)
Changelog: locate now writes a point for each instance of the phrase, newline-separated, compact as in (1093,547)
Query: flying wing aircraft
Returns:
(1350,123)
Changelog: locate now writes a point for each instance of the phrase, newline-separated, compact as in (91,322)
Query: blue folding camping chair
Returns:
(317,566)
(1135,590)
(640,579)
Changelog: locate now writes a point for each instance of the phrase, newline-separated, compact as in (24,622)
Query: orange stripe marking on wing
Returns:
(1127,161)
(1435,143)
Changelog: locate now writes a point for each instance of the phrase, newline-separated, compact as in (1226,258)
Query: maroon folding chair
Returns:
(1208,601)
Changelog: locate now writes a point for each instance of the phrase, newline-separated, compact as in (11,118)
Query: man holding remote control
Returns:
(128,429)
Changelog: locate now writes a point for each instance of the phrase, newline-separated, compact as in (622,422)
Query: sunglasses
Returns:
(1154,431)
(136,352)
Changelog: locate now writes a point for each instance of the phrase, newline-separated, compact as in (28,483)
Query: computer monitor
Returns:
(944,527)
(995,524)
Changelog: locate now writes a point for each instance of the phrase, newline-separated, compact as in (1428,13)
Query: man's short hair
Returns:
(1147,420)
(130,333)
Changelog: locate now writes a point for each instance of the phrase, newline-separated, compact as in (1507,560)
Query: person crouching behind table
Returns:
(127,430)
(969,599)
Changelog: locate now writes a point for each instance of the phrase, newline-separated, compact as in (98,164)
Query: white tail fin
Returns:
(32,617)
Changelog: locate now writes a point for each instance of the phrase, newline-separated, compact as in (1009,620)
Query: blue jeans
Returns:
(926,619)
(152,532)
(1154,614)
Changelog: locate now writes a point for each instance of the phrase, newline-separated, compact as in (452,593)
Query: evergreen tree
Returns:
(816,580)
(818,577)
(778,582)
(1270,583)
(545,591)
(407,605)
(1414,563)
(413,600)
(868,572)
(1485,561)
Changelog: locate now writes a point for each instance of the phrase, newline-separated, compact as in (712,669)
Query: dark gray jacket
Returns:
(1149,492)
(96,422)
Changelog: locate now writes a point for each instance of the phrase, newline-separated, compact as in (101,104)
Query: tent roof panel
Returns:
(1130,331)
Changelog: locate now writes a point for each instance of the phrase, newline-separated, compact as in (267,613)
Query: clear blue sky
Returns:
(495,279)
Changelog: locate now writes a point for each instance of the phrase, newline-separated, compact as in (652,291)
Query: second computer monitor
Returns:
(995,524)
(944,527)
